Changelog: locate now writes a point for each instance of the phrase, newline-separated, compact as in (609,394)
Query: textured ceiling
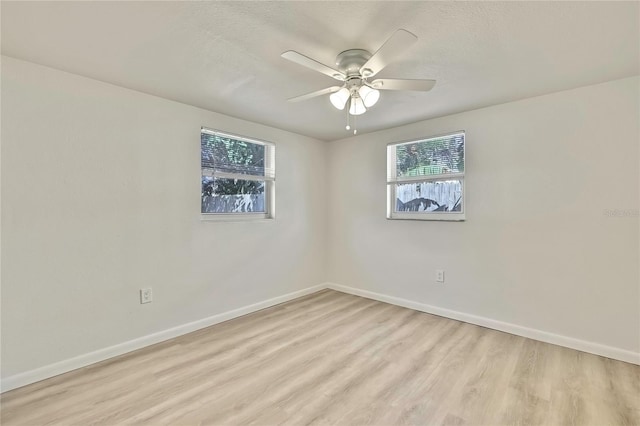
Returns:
(225,56)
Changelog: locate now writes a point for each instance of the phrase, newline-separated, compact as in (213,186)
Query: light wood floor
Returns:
(333,358)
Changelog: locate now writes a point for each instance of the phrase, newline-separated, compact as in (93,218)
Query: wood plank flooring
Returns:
(333,358)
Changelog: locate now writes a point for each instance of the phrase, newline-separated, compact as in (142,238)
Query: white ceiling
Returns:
(225,56)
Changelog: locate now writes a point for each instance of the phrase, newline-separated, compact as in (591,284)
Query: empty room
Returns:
(330,213)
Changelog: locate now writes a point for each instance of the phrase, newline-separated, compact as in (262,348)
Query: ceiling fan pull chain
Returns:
(347,111)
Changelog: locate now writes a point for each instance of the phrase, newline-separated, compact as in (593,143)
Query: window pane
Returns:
(231,156)
(431,157)
(232,195)
(440,196)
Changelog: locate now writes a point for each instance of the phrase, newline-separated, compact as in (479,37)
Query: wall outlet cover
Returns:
(146,295)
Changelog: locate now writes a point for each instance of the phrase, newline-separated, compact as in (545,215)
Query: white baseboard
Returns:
(543,336)
(47,371)
(32,376)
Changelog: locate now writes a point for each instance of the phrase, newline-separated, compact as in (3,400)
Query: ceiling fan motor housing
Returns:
(350,61)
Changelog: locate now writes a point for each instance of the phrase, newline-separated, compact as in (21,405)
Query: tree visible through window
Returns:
(237,174)
(426,178)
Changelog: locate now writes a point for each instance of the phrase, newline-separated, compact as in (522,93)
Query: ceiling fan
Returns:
(355,68)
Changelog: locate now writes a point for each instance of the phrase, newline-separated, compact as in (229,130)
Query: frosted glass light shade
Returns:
(340,98)
(369,96)
(357,106)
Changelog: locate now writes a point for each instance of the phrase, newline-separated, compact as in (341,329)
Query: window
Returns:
(238,176)
(425,178)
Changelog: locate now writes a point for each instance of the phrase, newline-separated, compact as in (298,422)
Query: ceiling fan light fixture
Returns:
(369,96)
(340,98)
(357,105)
(354,68)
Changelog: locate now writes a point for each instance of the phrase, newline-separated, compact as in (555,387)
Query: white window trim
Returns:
(269,190)
(392,181)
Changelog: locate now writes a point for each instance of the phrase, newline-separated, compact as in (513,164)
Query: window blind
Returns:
(440,157)
(234,157)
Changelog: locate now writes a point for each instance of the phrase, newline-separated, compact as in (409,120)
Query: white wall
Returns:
(531,252)
(100,197)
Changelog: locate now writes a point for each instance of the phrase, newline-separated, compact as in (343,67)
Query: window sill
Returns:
(442,217)
(236,217)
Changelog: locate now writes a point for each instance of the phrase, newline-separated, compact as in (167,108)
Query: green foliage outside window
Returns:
(431,157)
(231,156)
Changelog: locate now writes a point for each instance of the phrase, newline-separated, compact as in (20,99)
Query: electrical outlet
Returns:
(146,295)
(439,275)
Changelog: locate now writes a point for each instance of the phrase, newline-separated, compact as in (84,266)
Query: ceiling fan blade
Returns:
(396,84)
(326,91)
(305,61)
(395,46)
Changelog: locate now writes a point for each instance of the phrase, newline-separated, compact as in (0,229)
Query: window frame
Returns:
(393,181)
(269,180)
